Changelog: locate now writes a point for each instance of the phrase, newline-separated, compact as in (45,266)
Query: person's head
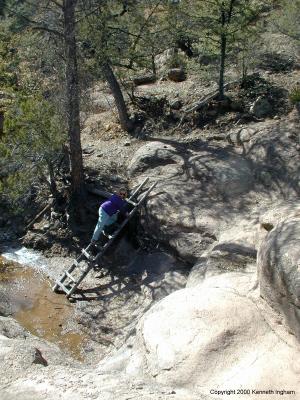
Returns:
(123,193)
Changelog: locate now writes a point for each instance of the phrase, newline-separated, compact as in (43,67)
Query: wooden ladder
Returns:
(75,274)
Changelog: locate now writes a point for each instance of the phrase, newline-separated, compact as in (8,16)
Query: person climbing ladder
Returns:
(78,270)
(108,212)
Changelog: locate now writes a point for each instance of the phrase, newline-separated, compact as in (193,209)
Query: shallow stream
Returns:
(26,295)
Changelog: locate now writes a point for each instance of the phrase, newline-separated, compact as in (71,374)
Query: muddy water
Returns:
(42,312)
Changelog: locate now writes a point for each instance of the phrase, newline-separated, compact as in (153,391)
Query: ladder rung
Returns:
(67,291)
(87,255)
(70,276)
(74,264)
(131,202)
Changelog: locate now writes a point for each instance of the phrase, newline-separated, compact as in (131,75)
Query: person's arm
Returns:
(125,208)
(120,204)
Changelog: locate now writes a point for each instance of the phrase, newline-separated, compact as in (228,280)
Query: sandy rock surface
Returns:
(279,270)
(205,191)
(218,334)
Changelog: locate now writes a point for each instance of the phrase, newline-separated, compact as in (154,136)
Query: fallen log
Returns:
(205,100)
(41,213)
(99,192)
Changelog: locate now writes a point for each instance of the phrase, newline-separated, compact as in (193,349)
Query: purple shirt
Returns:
(114,204)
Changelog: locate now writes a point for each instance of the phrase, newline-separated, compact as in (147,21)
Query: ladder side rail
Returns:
(61,280)
(75,286)
(138,188)
(62,287)
(74,265)
(147,193)
(64,276)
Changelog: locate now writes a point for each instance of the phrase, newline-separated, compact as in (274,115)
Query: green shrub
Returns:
(295,95)
(34,134)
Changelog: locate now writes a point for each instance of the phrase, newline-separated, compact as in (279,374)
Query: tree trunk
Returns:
(72,92)
(222,66)
(225,21)
(52,183)
(125,122)
(153,64)
(1,124)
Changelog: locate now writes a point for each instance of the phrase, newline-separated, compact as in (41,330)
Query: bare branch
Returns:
(36,24)
(49,30)
(57,3)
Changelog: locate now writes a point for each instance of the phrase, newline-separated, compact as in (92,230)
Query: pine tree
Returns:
(287,18)
(56,19)
(220,24)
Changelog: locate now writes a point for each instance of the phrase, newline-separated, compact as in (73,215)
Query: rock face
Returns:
(261,107)
(195,193)
(225,259)
(279,270)
(279,212)
(211,336)
(204,190)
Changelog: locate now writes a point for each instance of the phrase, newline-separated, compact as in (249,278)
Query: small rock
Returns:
(115,178)
(39,359)
(127,144)
(267,226)
(176,104)
(177,75)
(88,150)
(237,105)
(89,349)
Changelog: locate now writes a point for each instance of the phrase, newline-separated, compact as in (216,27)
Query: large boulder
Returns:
(227,260)
(279,270)
(278,212)
(261,107)
(222,172)
(198,193)
(232,260)
(273,150)
(208,338)
(161,156)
